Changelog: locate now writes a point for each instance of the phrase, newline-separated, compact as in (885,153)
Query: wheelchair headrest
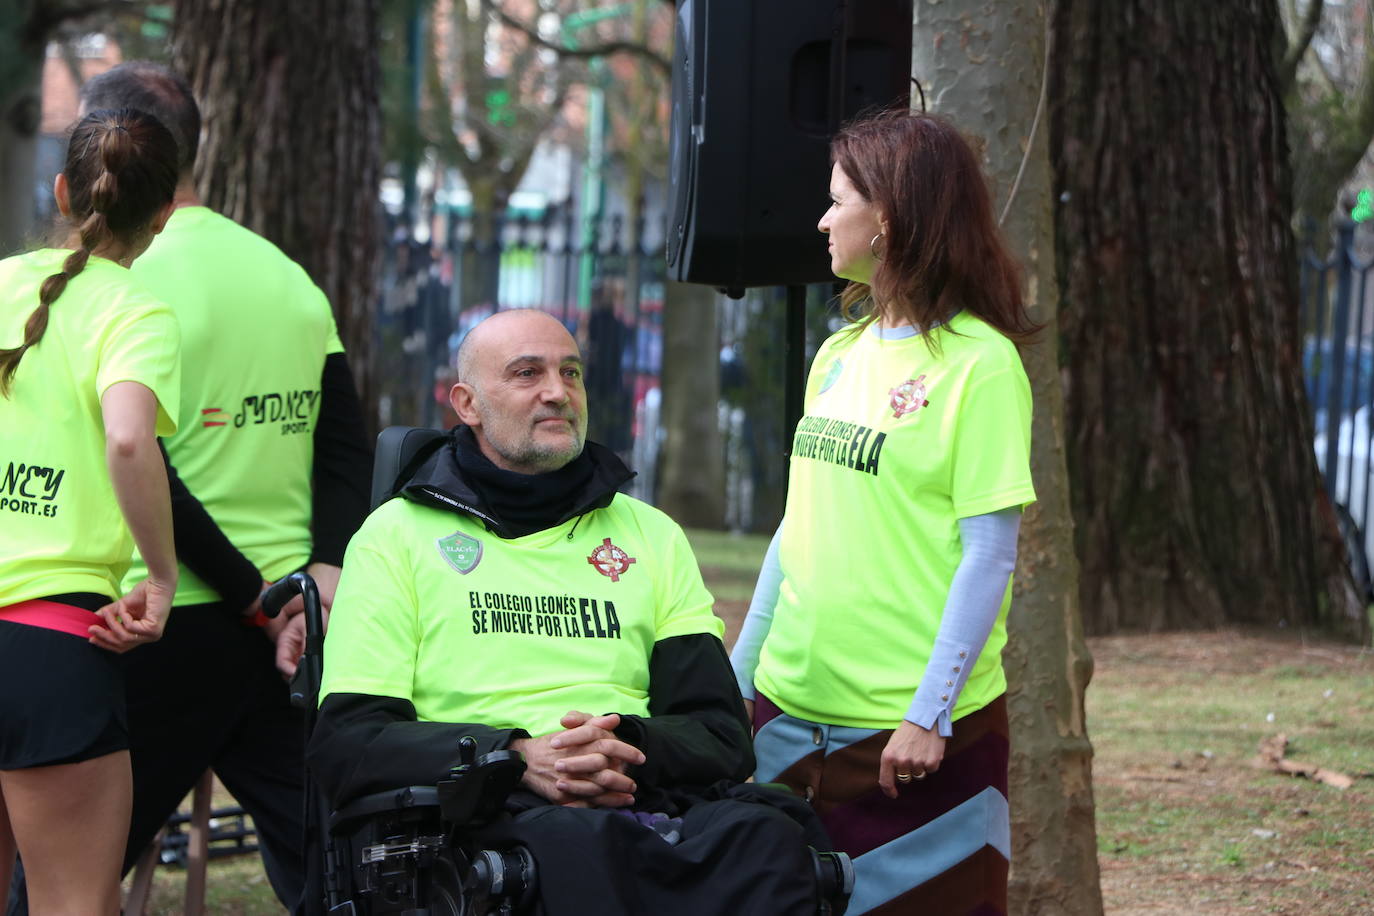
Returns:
(400,452)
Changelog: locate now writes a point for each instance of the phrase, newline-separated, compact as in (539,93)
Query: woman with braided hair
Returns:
(89,377)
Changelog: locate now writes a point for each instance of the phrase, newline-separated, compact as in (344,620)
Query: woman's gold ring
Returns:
(907,777)
(919,776)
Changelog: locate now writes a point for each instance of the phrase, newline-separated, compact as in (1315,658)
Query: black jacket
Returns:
(695,735)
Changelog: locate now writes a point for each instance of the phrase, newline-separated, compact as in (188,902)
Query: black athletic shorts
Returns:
(61,698)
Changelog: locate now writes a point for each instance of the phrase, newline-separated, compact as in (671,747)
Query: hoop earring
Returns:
(872,250)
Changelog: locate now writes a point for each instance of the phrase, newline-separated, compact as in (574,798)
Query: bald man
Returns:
(511,594)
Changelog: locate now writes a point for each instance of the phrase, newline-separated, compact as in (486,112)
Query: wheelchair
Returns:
(418,850)
(404,852)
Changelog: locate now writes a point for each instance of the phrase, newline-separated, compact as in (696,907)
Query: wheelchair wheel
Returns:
(501,881)
(834,872)
(430,885)
(446,897)
(392,856)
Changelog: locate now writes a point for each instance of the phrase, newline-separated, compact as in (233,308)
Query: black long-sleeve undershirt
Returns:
(342,471)
(696,733)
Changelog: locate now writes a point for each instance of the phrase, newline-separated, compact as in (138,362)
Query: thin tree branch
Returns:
(663,64)
(1327,76)
(1288,67)
(73,64)
(438,116)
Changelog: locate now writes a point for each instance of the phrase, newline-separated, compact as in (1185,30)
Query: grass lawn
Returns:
(729,562)
(1185,824)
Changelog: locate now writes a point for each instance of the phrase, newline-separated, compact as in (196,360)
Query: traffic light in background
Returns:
(1364,206)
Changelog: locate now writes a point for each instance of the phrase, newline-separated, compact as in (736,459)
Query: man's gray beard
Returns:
(542,457)
(535,455)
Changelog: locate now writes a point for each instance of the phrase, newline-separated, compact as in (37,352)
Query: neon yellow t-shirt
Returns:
(60,526)
(896,446)
(255,333)
(511,633)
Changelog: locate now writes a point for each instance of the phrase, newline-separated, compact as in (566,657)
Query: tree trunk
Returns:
(691,468)
(22,41)
(291,140)
(481,267)
(1194,484)
(983,66)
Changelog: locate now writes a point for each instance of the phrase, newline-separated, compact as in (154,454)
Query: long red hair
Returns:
(942,251)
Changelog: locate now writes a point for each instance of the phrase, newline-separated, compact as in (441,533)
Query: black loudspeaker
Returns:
(759,88)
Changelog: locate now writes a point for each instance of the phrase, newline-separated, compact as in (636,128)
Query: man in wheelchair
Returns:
(512,600)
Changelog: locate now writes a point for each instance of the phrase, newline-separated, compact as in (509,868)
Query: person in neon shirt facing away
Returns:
(269,473)
(870,658)
(89,377)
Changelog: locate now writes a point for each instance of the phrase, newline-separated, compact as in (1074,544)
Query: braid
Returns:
(37,324)
(33,332)
(116,148)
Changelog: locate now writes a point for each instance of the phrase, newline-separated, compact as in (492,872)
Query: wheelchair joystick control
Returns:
(467,754)
(475,791)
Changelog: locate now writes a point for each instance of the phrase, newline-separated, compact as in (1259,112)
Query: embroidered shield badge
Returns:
(462,551)
(832,376)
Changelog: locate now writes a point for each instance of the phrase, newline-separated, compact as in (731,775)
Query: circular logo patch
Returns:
(908,397)
(610,560)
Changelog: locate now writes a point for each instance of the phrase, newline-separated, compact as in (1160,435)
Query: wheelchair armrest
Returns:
(476,790)
(384,802)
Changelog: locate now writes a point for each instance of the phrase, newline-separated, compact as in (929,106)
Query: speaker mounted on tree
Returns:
(759,88)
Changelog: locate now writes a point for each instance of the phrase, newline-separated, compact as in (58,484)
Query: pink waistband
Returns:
(50,615)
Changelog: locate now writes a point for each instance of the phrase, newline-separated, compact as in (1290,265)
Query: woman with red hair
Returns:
(871,655)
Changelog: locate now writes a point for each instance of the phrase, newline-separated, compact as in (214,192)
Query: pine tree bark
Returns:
(290,147)
(1194,485)
(983,65)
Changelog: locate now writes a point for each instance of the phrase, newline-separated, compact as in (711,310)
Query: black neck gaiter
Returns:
(523,503)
